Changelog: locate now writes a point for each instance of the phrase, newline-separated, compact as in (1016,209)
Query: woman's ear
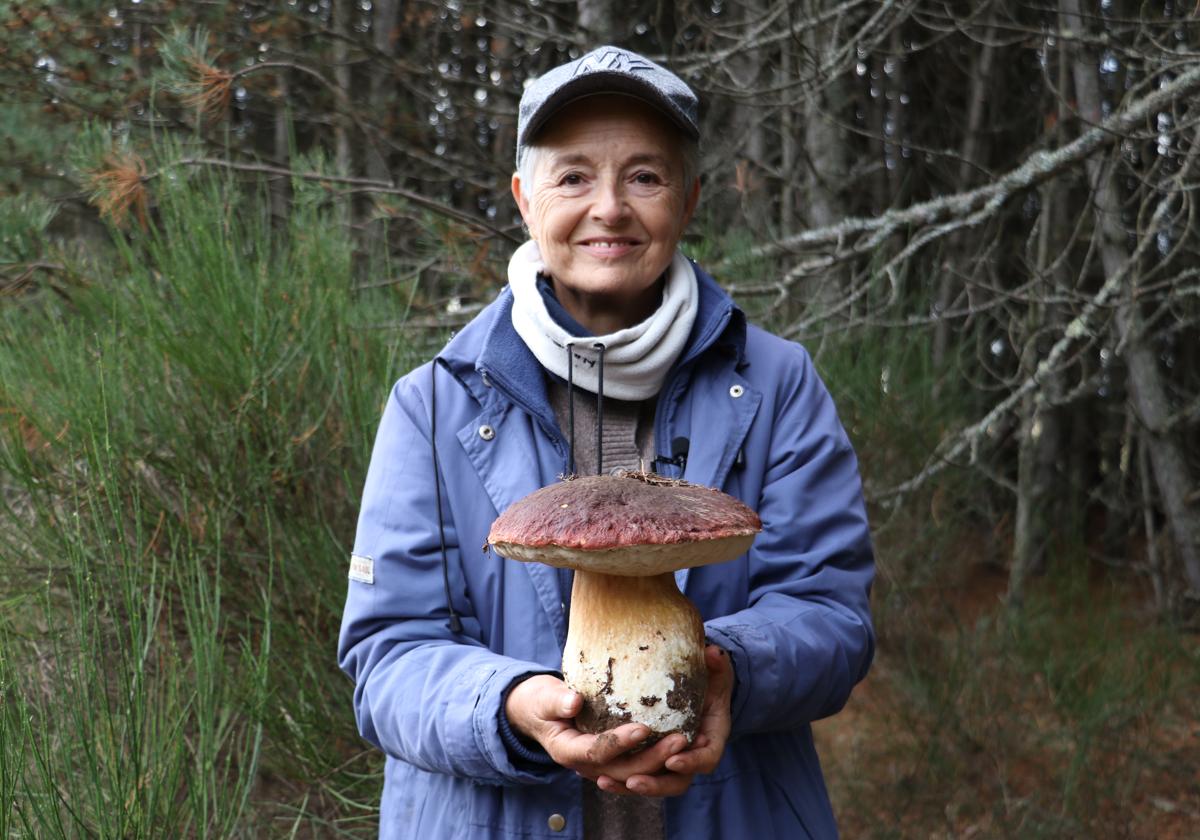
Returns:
(522,200)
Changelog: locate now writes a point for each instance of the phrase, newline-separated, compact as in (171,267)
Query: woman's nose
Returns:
(609,206)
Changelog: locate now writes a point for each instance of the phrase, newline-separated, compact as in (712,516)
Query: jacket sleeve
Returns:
(422,694)
(805,637)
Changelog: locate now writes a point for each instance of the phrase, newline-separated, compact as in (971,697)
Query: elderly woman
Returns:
(455,652)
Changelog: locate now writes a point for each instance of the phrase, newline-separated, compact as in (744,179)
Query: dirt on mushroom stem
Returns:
(635,651)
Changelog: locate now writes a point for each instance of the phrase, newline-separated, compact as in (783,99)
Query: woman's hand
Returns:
(543,709)
(707,748)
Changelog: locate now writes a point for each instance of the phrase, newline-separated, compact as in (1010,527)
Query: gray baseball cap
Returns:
(606,70)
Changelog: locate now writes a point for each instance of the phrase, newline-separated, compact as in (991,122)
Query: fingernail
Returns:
(640,733)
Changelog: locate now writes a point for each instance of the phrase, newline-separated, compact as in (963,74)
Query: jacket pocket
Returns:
(795,808)
(523,811)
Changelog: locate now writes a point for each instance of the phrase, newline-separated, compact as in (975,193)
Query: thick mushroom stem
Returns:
(635,651)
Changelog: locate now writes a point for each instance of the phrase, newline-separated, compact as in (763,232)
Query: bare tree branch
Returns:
(360,184)
(1037,168)
(966,441)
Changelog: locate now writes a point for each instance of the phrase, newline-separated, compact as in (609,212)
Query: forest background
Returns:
(227,227)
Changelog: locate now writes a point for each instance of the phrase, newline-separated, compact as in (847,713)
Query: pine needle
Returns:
(211,91)
(120,187)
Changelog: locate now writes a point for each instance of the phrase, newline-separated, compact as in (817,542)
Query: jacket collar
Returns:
(503,358)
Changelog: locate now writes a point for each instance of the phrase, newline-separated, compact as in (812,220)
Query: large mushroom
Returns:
(635,643)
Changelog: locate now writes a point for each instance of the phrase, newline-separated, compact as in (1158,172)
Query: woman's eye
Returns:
(646,178)
(572,179)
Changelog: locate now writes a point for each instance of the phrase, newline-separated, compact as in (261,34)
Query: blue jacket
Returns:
(792,613)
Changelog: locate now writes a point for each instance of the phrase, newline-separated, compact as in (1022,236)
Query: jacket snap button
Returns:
(736,391)
(557,822)
(487,432)
(487,381)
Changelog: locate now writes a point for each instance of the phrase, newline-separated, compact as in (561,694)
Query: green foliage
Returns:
(23,223)
(93,147)
(886,391)
(182,51)
(181,449)
(25,136)
(142,719)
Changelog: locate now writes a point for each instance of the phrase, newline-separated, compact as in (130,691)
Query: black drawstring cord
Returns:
(455,622)
(599,348)
(571,406)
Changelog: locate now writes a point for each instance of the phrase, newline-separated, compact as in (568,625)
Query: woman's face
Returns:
(607,208)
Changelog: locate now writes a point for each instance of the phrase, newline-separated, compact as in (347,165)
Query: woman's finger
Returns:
(664,784)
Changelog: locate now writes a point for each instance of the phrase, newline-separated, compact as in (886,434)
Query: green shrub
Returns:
(182,444)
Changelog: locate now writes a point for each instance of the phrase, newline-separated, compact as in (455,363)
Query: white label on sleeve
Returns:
(362,569)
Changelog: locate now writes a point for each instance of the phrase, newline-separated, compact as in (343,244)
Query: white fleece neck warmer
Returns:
(636,359)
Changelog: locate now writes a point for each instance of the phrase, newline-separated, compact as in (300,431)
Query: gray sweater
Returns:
(627,442)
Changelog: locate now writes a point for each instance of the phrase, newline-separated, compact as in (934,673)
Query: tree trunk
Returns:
(381,105)
(969,153)
(281,188)
(824,144)
(666,26)
(1040,425)
(380,93)
(1153,561)
(1146,389)
(893,86)
(341,78)
(787,145)
(876,107)
(826,165)
(748,115)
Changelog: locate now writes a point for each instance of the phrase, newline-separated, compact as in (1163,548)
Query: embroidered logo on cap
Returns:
(362,569)
(617,60)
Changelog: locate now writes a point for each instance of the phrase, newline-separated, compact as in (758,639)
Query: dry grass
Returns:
(1078,718)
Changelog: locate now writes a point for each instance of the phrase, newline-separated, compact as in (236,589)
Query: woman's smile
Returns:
(609,248)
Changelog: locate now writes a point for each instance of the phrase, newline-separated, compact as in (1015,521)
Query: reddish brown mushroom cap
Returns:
(633,524)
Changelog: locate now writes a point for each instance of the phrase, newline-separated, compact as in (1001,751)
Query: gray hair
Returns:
(527,162)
